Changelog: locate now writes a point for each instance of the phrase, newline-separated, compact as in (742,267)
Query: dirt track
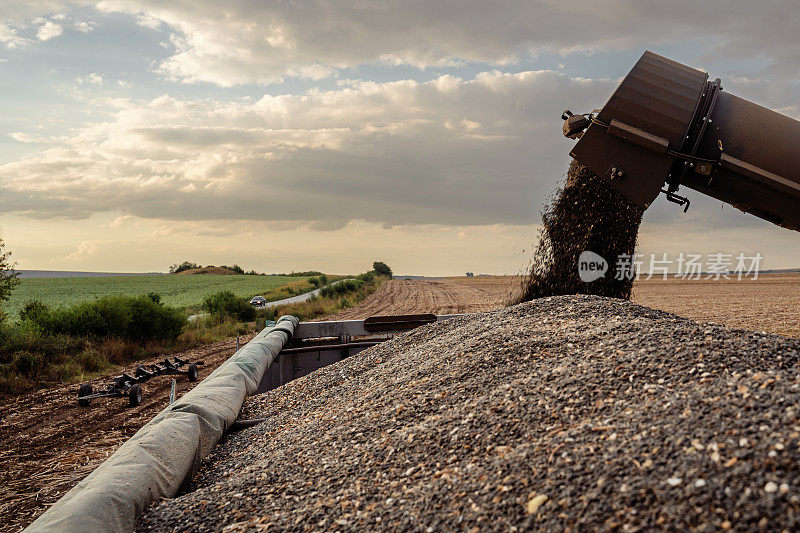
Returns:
(48,443)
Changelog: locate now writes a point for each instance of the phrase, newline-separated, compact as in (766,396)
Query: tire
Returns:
(191,372)
(135,395)
(85,390)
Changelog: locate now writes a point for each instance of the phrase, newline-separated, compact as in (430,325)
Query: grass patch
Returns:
(49,344)
(175,290)
(206,330)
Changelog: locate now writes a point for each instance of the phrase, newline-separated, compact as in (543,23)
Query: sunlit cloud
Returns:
(49,30)
(395,153)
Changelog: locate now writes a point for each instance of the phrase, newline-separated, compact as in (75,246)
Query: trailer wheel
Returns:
(191,372)
(85,390)
(135,395)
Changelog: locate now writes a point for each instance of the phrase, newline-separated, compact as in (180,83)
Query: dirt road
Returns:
(48,443)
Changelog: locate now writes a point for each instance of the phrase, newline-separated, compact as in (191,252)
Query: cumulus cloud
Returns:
(49,30)
(449,151)
(237,42)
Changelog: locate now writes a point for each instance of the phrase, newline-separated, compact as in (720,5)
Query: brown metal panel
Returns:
(754,134)
(644,170)
(397,322)
(767,178)
(658,97)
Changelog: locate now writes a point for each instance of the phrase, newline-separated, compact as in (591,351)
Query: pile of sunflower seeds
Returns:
(571,412)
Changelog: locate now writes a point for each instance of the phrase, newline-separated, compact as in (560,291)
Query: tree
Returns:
(9,278)
(381,269)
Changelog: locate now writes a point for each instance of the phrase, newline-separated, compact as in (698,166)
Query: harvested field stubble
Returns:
(573,411)
(586,215)
(439,296)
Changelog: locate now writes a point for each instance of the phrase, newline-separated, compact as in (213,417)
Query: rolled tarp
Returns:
(156,461)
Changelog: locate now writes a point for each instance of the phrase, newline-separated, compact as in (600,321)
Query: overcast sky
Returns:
(326,134)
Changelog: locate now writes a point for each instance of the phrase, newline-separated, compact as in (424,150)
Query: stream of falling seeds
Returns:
(586,214)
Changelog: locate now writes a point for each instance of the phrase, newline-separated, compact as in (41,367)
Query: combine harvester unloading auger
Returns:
(667,125)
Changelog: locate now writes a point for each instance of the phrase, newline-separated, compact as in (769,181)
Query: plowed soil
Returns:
(439,296)
(771,303)
(48,443)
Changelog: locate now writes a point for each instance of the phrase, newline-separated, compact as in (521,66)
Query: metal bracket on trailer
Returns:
(318,344)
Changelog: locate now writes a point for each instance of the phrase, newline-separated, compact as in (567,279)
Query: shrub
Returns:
(268,313)
(91,361)
(9,278)
(226,304)
(151,320)
(33,310)
(135,318)
(28,364)
(341,287)
(28,336)
(154,296)
(319,281)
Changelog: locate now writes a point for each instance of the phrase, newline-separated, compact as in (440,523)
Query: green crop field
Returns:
(179,291)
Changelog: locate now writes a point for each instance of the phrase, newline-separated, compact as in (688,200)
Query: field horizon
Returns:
(177,291)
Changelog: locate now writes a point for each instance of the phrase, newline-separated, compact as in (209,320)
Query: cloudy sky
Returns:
(325,134)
